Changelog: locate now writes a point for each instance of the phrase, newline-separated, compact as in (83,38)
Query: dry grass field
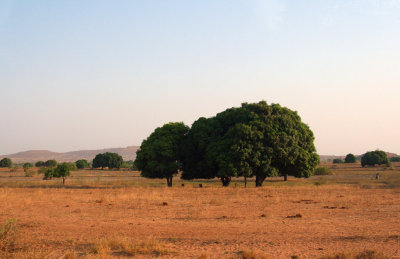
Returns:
(103,214)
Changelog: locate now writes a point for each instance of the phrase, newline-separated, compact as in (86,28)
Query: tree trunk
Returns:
(245,182)
(285,177)
(225,181)
(259,180)
(63,180)
(169,181)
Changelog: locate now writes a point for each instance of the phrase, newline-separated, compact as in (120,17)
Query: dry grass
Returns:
(90,220)
(122,246)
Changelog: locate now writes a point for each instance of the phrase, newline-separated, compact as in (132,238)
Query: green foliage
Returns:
(50,163)
(6,162)
(27,165)
(160,154)
(395,159)
(72,166)
(48,173)
(322,171)
(373,158)
(108,159)
(350,158)
(253,140)
(81,164)
(61,171)
(39,164)
(337,161)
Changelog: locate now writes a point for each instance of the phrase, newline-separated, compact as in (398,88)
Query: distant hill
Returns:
(127,153)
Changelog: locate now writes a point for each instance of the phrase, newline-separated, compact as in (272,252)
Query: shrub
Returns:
(27,165)
(7,232)
(337,161)
(39,164)
(322,171)
(29,173)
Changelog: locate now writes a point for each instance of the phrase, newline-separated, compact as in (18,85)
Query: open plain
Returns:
(104,214)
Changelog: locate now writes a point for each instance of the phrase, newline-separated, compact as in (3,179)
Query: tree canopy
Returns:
(5,162)
(160,154)
(350,158)
(27,165)
(108,159)
(62,170)
(82,163)
(373,158)
(39,164)
(337,161)
(253,140)
(50,163)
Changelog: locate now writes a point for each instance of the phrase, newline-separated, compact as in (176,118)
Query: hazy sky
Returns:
(96,74)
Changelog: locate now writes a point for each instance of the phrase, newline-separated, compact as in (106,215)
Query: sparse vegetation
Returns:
(322,171)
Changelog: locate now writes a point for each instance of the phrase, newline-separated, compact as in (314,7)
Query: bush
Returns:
(39,164)
(27,165)
(322,171)
(337,161)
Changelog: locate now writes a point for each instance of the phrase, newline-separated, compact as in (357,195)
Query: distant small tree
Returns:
(337,161)
(61,171)
(50,163)
(6,162)
(395,159)
(108,159)
(81,164)
(39,164)
(350,158)
(373,158)
(27,166)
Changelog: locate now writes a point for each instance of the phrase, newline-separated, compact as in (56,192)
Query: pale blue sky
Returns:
(96,74)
